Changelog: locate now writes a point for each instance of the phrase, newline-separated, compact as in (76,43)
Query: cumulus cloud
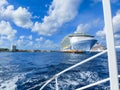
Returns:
(39,39)
(116,26)
(22,37)
(20,16)
(25,42)
(3,2)
(60,12)
(26,37)
(116,22)
(30,37)
(82,28)
(101,33)
(42,43)
(46,44)
(6,31)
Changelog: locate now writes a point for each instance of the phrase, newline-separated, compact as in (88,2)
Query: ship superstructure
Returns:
(78,41)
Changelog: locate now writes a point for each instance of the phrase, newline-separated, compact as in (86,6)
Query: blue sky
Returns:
(42,24)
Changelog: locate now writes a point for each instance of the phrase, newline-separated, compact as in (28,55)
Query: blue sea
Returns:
(29,70)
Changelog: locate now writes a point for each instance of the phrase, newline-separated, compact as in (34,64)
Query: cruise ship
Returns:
(78,42)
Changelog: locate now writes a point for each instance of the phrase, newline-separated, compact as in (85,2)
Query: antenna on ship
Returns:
(113,71)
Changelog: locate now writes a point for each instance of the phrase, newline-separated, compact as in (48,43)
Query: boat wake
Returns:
(72,80)
(9,84)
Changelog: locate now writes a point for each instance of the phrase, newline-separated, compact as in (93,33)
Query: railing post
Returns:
(113,71)
(56,83)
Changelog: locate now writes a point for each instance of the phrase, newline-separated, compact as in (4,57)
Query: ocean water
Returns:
(29,70)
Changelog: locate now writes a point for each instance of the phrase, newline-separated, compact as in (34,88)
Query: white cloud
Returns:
(50,45)
(46,44)
(22,37)
(30,37)
(25,42)
(7,34)
(116,26)
(101,33)
(3,2)
(6,31)
(39,39)
(30,43)
(36,17)
(20,42)
(116,22)
(20,16)
(60,12)
(42,43)
(82,28)
(26,37)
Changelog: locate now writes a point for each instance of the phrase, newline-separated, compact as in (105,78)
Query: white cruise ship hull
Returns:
(78,42)
(82,43)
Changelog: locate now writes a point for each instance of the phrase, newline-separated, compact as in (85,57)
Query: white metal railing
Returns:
(112,62)
(78,64)
(96,83)
(55,77)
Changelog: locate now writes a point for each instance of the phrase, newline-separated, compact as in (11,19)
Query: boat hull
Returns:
(78,42)
(84,45)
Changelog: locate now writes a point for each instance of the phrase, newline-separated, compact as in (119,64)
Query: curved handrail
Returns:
(78,64)
(96,83)
(69,68)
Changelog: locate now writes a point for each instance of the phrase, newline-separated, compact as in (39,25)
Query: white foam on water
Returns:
(89,76)
(10,84)
(77,78)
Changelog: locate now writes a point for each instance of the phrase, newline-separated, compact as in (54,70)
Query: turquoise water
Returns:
(28,71)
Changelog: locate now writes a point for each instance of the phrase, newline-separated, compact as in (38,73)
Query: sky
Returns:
(42,24)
